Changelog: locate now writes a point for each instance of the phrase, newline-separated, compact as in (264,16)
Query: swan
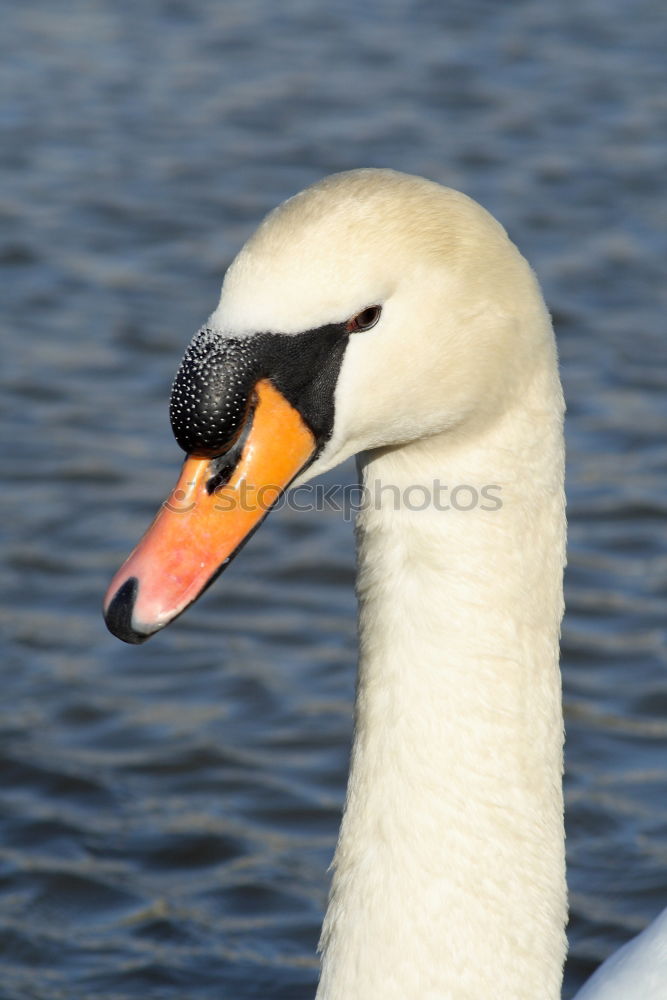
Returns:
(382,315)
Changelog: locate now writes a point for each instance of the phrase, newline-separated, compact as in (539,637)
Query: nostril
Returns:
(118,616)
(223,466)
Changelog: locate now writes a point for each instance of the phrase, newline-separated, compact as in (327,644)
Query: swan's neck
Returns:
(449,876)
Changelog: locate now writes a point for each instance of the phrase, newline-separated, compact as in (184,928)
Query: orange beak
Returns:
(201,527)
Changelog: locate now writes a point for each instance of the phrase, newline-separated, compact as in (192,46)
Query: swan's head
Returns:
(372,309)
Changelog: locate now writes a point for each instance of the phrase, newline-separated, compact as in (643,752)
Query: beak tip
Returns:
(119,614)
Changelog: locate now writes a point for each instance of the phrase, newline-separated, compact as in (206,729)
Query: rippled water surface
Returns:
(167,812)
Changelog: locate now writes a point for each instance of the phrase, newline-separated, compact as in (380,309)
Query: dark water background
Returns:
(167,813)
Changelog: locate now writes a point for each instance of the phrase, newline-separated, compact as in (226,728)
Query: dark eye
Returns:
(364,320)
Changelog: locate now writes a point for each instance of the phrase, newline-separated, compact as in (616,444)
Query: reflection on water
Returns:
(168,812)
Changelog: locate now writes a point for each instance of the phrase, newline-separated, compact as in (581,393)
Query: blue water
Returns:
(167,813)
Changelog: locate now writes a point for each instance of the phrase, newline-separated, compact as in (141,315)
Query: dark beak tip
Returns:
(118,616)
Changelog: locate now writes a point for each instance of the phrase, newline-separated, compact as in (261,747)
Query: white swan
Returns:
(382,315)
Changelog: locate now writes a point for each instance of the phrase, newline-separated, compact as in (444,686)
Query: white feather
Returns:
(449,876)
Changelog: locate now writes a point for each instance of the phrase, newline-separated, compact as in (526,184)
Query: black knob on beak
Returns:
(211,391)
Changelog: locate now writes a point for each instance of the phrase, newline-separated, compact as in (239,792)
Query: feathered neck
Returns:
(449,878)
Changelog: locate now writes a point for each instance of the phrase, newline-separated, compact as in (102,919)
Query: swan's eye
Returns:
(364,320)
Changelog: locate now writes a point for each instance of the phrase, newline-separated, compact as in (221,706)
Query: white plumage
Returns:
(449,874)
